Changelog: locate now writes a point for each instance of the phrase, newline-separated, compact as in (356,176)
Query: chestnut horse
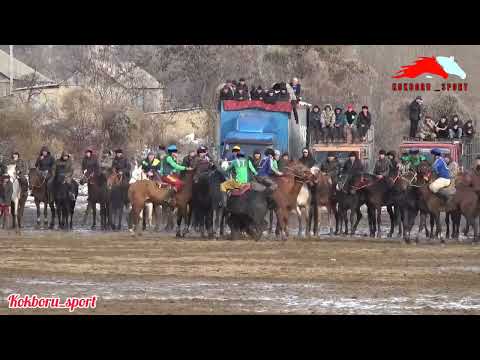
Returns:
(286,194)
(142,191)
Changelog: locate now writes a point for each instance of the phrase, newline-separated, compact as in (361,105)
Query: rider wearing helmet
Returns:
(415,158)
(171,168)
(90,162)
(241,165)
(121,164)
(151,166)
(267,169)
(201,163)
(233,155)
(441,169)
(20,169)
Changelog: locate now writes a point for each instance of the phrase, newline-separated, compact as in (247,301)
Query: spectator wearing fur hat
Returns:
(364,121)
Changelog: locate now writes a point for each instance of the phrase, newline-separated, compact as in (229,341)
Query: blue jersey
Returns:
(265,167)
(441,168)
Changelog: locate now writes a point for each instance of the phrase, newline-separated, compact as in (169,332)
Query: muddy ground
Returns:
(158,274)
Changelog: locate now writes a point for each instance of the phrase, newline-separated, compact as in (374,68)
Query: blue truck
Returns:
(254,125)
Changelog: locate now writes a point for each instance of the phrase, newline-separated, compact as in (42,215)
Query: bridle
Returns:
(42,182)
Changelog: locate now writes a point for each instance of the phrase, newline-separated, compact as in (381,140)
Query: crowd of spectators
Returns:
(238,90)
(442,129)
(337,125)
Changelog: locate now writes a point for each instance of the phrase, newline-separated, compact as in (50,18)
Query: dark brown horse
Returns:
(38,186)
(118,198)
(183,200)
(286,194)
(98,194)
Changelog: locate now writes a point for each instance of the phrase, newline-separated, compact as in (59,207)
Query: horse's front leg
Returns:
(93,207)
(37,205)
(392,221)
(447,226)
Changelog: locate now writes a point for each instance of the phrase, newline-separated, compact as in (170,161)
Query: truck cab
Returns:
(253,124)
(462,152)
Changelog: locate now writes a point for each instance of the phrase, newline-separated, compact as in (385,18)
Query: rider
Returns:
(382,166)
(201,163)
(267,168)
(331,166)
(121,164)
(6,192)
(45,162)
(415,158)
(151,166)
(256,159)
(171,169)
(242,167)
(90,162)
(62,166)
(20,169)
(441,169)
(233,155)
(353,166)
(404,165)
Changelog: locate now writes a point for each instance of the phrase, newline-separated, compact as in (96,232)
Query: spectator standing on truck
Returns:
(468,130)
(315,124)
(455,129)
(441,127)
(351,122)
(297,88)
(427,129)
(328,118)
(364,121)
(340,122)
(307,158)
(242,85)
(415,111)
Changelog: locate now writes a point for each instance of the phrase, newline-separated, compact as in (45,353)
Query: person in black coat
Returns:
(45,161)
(241,95)
(242,85)
(364,121)
(283,95)
(353,166)
(271,97)
(121,164)
(307,158)
(257,94)
(415,110)
(90,162)
(226,93)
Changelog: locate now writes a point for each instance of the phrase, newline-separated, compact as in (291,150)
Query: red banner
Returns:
(280,106)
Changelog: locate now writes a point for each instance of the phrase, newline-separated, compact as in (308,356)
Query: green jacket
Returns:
(414,161)
(170,166)
(241,167)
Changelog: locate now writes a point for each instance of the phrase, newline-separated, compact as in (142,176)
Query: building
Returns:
(23,75)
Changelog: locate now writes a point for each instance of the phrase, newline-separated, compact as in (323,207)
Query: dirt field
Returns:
(162,275)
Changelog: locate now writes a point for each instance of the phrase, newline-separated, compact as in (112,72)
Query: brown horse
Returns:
(286,194)
(143,190)
(183,200)
(323,195)
(463,202)
(118,198)
(38,186)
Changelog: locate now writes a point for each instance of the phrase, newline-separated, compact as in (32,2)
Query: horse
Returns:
(118,199)
(286,193)
(65,196)
(348,200)
(38,186)
(146,190)
(18,198)
(183,206)
(377,195)
(97,194)
(463,202)
(216,178)
(322,195)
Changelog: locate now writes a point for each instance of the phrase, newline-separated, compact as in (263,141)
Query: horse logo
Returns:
(442,66)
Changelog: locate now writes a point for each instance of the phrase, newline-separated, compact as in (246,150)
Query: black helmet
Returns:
(269,151)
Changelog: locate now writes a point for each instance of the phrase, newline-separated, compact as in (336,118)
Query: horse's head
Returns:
(464,179)
(451,66)
(362,181)
(299,171)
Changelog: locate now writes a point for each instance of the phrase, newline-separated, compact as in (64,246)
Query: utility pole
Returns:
(11,69)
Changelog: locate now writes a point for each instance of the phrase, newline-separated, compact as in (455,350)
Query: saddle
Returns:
(446,192)
(241,191)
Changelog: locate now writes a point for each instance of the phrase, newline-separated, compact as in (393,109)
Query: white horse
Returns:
(137,175)
(16,195)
